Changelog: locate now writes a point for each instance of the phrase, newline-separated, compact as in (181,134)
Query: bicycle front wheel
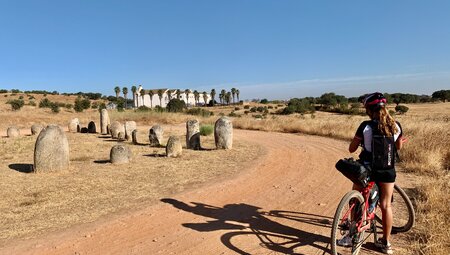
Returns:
(344,229)
(402,211)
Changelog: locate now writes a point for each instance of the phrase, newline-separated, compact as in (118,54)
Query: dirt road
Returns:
(282,204)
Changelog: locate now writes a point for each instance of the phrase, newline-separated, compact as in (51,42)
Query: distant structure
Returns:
(144,99)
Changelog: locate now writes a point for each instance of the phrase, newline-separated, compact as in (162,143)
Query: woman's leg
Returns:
(386,210)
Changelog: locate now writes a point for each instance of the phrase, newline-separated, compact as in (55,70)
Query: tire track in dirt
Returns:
(284,203)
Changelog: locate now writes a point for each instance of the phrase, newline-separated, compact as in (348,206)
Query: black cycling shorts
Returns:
(384,175)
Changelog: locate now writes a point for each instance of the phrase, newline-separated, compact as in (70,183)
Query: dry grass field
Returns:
(426,154)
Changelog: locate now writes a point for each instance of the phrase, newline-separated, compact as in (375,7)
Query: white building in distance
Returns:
(150,97)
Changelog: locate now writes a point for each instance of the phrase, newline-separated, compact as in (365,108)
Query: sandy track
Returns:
(282,204)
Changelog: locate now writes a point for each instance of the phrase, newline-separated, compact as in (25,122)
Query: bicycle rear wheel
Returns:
(402,211)
(348,213)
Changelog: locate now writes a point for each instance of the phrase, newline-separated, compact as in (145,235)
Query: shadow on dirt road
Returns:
(248,220)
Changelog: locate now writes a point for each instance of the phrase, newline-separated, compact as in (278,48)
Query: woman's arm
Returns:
(354,144)
(399,142)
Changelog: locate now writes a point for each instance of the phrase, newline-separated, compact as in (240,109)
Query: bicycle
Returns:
(353,218)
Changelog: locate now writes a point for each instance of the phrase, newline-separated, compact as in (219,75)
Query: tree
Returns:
(401,109)
(233,92)
(196,96)
(213,95)
(223,93)
(228,97)
(187,92)
(237,94)
(169,94)
(178,94)
(443,95)
(133,90)
(176,105)
(125,92)
(16,104)
(205,97)
(143,95)
(117,90)
(151,93)
(160,95)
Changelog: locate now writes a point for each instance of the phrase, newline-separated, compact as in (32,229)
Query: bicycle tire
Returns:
(404,225)
(336,231)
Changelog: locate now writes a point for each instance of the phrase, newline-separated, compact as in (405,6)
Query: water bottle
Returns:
(373,198)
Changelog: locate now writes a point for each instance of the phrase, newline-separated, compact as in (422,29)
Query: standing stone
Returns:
(108,129)
(36,129)
(104,121)
(134,136)
(193,134)
(51,151)
(74,125)
(120,154)
(223,133)
(130,126)
(116,128)
(173,147)
(155,135)
(13,132)
(92,128)
(120,136)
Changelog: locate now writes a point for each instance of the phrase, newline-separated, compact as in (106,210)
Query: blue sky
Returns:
(268,49)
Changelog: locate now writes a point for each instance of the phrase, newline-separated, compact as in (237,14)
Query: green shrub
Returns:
(233,114)
(81,104)
(206,130)
(269,107)
(158,108)
(143,108)
(247,107)
(401,109)
(264,101)
(246,112)
(68,106)
(16,104)
(20,97)
(176,105)
(237,108)
(32,103)
(253,109)
(55,108)
(199,112)
(258,116)
(45,103)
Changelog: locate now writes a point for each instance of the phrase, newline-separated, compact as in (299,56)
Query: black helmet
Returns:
(374,101)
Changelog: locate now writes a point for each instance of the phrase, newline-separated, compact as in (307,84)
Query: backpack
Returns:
(383,150)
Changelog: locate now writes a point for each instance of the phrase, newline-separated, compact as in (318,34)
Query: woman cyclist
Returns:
(380,123)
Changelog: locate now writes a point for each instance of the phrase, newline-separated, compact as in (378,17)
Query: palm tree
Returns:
(160,94)
(125,92)
(178,94)
(142,94)
(169,94)
(237,95)
(196,96)
(117,90)
(213,94)
(151,93)
(223,93)
(205,97)
(133,90)
(187,92)
(233,92)
(228,97)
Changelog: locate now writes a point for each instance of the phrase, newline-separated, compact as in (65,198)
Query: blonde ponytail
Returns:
(386,124)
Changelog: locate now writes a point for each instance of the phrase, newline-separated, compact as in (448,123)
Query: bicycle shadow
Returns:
(247,220)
